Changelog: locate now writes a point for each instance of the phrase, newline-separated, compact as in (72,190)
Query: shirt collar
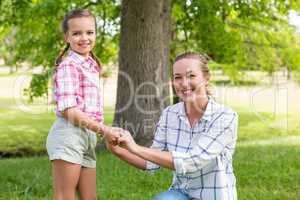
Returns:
(79,59)
(211,108)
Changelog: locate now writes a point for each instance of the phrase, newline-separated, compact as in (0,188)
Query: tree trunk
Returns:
(143,83)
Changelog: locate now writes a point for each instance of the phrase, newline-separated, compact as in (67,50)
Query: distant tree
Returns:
(224,29)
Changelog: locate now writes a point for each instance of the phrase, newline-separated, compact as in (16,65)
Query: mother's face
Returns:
(188,79)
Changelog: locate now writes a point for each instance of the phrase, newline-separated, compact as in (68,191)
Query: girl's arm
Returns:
(79,118)
(162,158)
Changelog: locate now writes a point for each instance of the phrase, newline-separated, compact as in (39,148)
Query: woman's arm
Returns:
(162,158)
(127,156)
(205,149)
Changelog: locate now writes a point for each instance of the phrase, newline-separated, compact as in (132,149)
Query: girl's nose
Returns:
(84,36)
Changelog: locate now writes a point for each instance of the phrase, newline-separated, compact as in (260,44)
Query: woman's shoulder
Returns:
(175,108)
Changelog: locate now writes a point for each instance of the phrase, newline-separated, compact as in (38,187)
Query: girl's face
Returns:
(81,35)
(188,80)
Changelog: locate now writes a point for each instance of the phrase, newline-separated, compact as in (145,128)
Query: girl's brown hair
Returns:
(202,58)
(77,13)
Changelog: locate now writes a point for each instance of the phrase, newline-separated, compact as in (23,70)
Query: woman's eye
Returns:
(191,75)
(75,34)
(177,77)
(90,32)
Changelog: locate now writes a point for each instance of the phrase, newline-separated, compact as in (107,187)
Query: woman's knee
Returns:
(172,195)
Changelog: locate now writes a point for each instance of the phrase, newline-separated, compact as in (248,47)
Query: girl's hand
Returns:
(111,134)
(126,141)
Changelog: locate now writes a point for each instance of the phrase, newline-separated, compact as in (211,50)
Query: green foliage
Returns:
(238,35)
(290,54)
(38,86)
(31,32)
(37,37)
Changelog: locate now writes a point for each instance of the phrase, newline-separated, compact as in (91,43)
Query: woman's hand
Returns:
(125,140)
(111,134)
(113,148)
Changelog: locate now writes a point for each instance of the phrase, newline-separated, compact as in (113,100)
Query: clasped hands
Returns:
(117,138)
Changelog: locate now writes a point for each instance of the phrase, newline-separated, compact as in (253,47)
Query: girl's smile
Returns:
(81,35)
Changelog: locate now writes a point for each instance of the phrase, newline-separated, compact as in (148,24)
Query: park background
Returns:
(255,51)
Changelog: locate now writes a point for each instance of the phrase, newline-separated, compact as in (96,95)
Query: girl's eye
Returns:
(90,32)
(75,34)
(177,77)
(191,75)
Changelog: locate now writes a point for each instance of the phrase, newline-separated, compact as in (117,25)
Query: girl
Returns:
(195,138)
(72,138)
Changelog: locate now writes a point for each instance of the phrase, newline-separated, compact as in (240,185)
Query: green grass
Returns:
(24,133)
(266,162)
(238,83)
(269,172)
(263,125)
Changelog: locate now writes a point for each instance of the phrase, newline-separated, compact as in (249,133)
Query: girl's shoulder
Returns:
(68,62)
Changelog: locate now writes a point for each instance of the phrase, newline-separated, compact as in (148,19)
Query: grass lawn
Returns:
(269,172)
(267,161)
(24,132)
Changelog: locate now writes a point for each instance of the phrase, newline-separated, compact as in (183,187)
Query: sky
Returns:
(294,19)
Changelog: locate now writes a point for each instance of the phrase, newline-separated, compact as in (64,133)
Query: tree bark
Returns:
(143,83)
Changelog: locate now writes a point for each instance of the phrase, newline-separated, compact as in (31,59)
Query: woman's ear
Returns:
(207,79)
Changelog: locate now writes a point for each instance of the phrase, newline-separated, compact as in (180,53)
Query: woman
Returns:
(195,138)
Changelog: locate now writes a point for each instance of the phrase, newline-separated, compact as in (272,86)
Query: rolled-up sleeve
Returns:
(159,141)
(206,147)
(66,86)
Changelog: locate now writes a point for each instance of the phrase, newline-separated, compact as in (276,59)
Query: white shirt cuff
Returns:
(179,166)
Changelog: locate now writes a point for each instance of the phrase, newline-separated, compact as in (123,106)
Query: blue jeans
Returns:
(172,195)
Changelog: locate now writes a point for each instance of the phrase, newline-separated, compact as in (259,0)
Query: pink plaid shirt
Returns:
(77,83)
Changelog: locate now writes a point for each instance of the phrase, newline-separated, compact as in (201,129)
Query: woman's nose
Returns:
(185,82)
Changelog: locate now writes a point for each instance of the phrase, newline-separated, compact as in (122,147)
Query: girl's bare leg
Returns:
(65,179)
(87,184)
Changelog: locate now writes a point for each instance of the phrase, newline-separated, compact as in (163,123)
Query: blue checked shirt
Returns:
(202,154)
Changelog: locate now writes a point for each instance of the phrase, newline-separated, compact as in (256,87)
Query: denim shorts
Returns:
(70,143)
